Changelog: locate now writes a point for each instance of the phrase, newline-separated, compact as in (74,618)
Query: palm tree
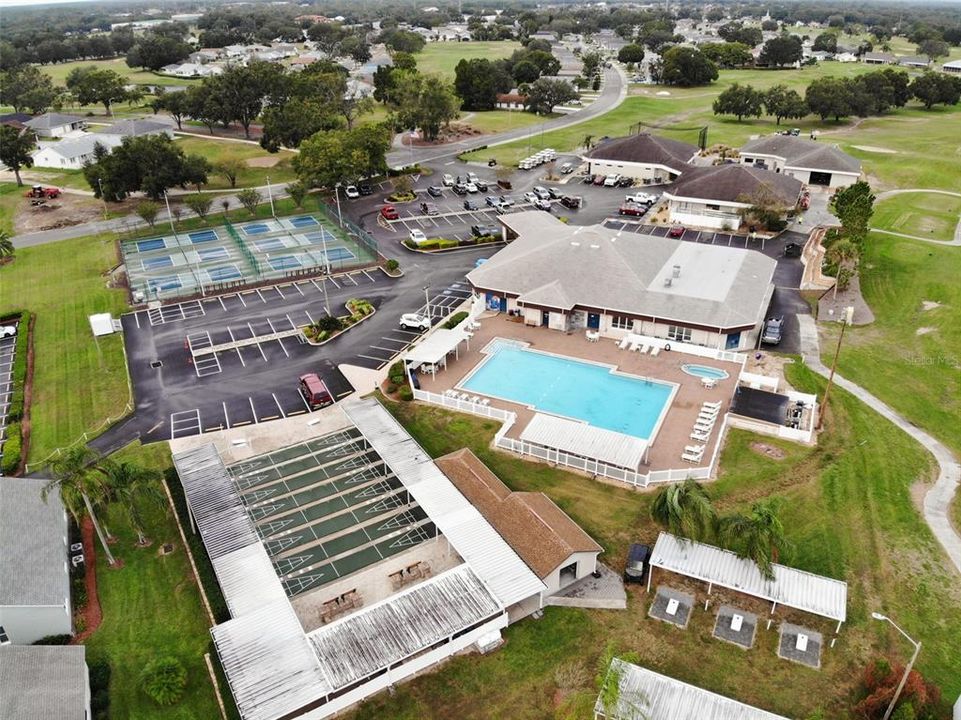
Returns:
(79,488)
(843,253)
(758,536)
(685,510)
(6,246)
(588,142)
(131,485)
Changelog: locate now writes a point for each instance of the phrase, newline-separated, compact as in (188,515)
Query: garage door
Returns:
(820,178)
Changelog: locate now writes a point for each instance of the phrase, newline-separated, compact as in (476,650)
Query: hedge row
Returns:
(455,320)
(447,243)
(13,445)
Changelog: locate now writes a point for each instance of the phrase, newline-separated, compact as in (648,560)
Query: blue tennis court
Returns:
(157,262)
(270,244)
(256,229)
(202,236)
(164,284)
(214,253)
(285,262)
(151,244)
(320,236)
(339,253)
(224,273)
(304,221)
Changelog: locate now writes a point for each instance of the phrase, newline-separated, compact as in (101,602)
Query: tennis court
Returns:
(227,256)
(327,508)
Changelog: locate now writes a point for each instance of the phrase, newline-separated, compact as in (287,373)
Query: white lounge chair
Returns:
(485,401)
(710,409)
(707,416)
(708,382)
(694,448)
(655,349)
(635,344)
(700,436)
(716,405)
(701,426)
(643,349)
(692,457)
(625,341)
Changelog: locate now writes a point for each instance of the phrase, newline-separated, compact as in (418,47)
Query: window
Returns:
(748,160)
(619,322)
(713,207)
(678,333)
(4,640)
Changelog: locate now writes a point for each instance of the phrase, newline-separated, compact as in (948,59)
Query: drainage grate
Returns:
(157,364)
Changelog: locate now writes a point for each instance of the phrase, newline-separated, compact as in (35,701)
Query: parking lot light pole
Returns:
(427,299)
(907,670)
(270,198)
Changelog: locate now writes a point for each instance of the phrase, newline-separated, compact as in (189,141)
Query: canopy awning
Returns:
(578,438)
(435,347)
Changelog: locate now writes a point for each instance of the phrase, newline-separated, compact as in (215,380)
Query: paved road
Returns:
(937,501)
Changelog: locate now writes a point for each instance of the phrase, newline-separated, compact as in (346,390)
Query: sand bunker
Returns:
(929,305)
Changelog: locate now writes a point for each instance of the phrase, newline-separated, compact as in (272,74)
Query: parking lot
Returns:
(7,347)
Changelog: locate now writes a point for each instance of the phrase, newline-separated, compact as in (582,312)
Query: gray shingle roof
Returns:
(81,146)
(647,149)
(43,682)
(596,267)
(135,128)
(803,153)
(732,183)
(52,120)
(33,553)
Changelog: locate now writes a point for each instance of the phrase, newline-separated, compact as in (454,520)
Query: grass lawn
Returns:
(495,121)
(219,150)
(442,57)
(137,76)
(11,195)
(151,608)
(922,214)
(848,513)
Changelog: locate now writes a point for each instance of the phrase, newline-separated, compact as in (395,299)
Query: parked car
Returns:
(492,201)
(315,391)
(365,188)
(8,331)
(676,231)
(470,205)
(589,179)
(472,177)
(417,236)
(772,331)
(567,168)
(554,193)
(482,185)
(641,198)
(352,192)
(573,202)
(429,209)
(631,208)
(625,181)
(413,321)
(507,201)
(530,197)
(542,204)
(482,230)
(638,561)
(471,187)
(435,191)
(793,249)
(448,179)
(459,189)
(599,179)
(389,212)
(612,180)
(541,192)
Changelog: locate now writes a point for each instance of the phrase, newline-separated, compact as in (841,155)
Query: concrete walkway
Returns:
(956,242)
(937,501)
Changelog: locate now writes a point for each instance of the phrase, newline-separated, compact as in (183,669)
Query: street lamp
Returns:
(845,321)
(907,670)
(427,299)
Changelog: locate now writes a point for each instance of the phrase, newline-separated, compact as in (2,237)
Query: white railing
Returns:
(465,406)
(753,380)
(691,349)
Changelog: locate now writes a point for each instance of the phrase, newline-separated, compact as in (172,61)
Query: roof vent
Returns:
(594,247)
(677,271)
(574,243)
(667,282)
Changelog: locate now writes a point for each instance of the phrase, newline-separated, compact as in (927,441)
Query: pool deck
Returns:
(674,433)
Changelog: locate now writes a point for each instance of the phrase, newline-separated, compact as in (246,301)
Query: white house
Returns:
(192,69)
(714,197)
(567,278)
(55,125)
(554,547)
(34,575)
(645,157)
(914,61)
(878,58)
(44,682)
(845,57)
(73,153)
(811,162)
(952,68)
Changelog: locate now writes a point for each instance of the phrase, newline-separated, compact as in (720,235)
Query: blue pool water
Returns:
(705,372)
(572,388)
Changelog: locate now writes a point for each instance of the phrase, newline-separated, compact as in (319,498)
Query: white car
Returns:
(417,237)
(7,331)
(542,192)
(413,321)
(641,198)
(530,197)
(471,187)
(352,192)
(472,177)
(611,180)
(448,180)
(542,204)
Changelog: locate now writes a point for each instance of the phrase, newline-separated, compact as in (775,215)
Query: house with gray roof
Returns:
(44,682)
(916,61)
(952,68)
(34,579)
(811,162)
(138,127)
(878,58)
(564,277)
(714,197)
(73,153)
(645,157)
(55,125)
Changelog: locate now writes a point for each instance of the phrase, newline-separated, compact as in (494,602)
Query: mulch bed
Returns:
(92,612)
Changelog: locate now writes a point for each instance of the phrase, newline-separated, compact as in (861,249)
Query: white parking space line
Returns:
(184,423)
(369,357)
(369,277)
(283,414)
(296,286)
(241,298)
(333,282)
(279,292)
(252,411)
(226,414)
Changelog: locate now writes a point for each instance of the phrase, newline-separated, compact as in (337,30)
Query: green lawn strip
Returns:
(151,608)
(930,215)
(442,57)
(10,198)
(495,121)
(848,513)
(59,72)
(917,374)
(216,151)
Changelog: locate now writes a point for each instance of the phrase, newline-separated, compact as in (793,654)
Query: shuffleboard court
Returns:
(339,253)
(157,262)
(165,284)
(258,229)
(285,262)
(270,244)
(224,273)
(213,253)
(303,221)
(202,236)
(150,244)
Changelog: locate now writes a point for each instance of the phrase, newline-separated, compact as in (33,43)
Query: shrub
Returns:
(455,320)
(359,307)
(330,323)
(402,197)
(405,393)
(392,265)
(54,640)
(397,369)
(444,243)
(391,388)
(12,448)
(164,680)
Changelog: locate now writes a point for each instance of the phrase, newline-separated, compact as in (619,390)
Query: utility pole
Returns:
(907,670)
(270,198)
(427,299)
(845,321)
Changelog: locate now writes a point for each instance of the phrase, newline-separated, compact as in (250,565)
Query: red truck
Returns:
(631,208)
(389,212)
(39,191)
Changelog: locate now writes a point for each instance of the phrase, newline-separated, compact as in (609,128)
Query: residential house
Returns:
(34,574)
(952,68)
(914,61)
(16,120)
(205,55)
(845,57)
(44,682)
(55,125)
(72,153)
(811,162)
(554,547)
(138,127)
(565,278)
(513,100)
(192,70)
(650,158)
(878,58)
(714,197)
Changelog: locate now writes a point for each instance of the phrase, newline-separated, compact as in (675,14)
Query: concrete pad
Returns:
(800,645)
(672,606)
(736,626)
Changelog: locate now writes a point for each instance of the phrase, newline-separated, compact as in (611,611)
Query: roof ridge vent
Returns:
(676,272)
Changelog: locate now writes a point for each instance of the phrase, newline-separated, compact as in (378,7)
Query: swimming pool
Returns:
(704,371)
(574,389)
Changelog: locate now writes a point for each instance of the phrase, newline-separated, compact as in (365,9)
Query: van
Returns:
(315,391)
